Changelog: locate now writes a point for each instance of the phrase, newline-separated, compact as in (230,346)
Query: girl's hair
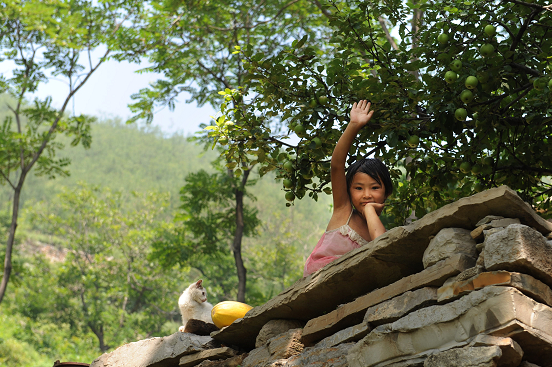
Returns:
(374,168)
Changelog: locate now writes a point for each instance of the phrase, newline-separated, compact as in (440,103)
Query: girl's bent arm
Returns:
(360,115)
(375,226)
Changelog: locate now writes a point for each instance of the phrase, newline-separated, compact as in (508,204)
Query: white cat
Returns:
(193,304)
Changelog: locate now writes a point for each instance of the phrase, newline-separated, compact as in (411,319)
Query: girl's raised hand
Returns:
(360,113)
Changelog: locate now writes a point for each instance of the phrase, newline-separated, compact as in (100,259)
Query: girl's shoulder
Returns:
(340,216)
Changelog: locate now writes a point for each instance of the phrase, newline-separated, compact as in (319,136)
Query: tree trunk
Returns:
(11,240)
(100,335)
(238,235)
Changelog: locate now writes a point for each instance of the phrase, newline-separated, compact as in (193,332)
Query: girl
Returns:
(358,198)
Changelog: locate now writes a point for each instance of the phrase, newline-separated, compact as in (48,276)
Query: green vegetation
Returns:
(496,49)
(45,319)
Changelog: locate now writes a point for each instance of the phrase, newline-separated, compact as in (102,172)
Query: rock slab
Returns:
(522,249)
(497,311)
(156,352)
(352,313)
(448,242)
(465,357)
(388,258)
(274,328)
(196,358)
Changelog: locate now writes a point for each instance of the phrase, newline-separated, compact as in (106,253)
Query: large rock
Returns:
(350,334)
(390,257)
(497,311)
(156,352)
(321,357)
(522,282)
(352,313)
(194,359)
(282,346)
(397,307)
(465,357)
(511,351)
(274,328)
(448,242)
(521,249)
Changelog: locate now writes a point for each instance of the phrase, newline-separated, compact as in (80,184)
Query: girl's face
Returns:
(364,189)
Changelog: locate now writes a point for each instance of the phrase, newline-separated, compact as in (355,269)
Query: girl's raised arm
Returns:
(360,115)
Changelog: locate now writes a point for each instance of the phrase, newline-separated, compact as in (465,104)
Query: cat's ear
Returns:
(198,283)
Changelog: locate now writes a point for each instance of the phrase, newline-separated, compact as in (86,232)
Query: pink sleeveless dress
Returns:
(333,245)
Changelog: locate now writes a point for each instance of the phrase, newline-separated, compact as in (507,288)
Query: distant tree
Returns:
(195,46)
(108,283)
(46,40)
(462,100)
(210,223)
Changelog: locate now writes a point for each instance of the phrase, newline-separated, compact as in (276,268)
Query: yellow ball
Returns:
(225,313)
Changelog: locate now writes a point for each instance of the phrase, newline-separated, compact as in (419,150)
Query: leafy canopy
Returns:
(447,145)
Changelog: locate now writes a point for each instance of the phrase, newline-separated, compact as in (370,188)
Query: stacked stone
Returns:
(467,285)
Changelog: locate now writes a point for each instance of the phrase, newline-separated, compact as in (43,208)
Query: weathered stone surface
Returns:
(522,282)
(521,249)
(498,311)
(469,273)
(397,307)
(274,328)
(321,357)
(156,352)
(447,242)
(494,225)
(352,313)
(488,219)
(282,346)
(465,357)
(350,334)
(230,362)
(196,358)
(388,258)
(511,351)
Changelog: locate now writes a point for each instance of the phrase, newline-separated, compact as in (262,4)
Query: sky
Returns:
(107,94)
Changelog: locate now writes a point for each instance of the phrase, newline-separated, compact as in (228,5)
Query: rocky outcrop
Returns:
(466,285)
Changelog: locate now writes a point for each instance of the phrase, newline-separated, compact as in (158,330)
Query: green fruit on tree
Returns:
(483,76)
(323,100)
(413,141)
(461,114)
(488,161)
(288,184)
(490,30)
(486,170)
(456,65)
(476,169)
(465,167)
(313,103)
(539,84)
(471,82)
(288,166)
(443,38)
(317,142)
(307,176)
(478,187)
(486,50)
(450,76)
(290,196)
(466,96)
(299,129)
(550,84)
